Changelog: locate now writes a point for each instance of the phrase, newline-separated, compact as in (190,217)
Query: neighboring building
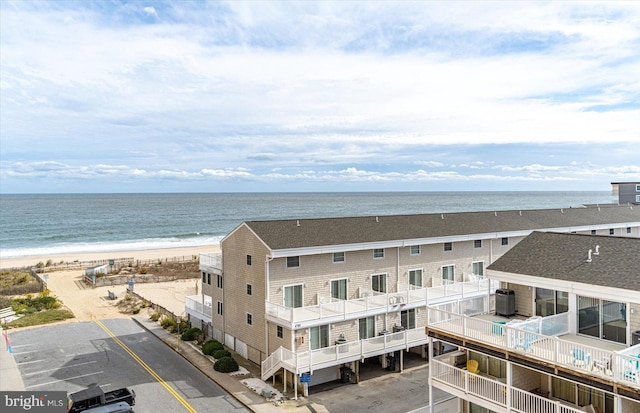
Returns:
(314,295)
(627,192)
(573,344)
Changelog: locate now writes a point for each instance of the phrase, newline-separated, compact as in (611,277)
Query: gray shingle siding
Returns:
(285,234)
(562,256)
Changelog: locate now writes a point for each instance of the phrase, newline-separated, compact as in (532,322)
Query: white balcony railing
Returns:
(622,366)
(448,378)
(199,306)
(308,361)
(211,260)
(377,303)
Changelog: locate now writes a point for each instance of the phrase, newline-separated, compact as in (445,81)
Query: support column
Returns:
(430,354)
(508,383)
(356,369)
(284,379)
(401,360)
(295,386)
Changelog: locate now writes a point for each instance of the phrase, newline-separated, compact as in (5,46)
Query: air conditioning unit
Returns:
(505,302)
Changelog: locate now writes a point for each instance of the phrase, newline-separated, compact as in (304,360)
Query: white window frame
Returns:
(346,287)
(447,266)
(385,281)
(377,250)
(637,187)
(444,246)
(421,277)
(637,198)
(321,329)
(220,281)
(220,308)
(504,241)
(249,289)
(409,319)
(333,258)
(279,332)
(411,250)
(477,262)
(249,319)
(284,294)
(628,230)
(477,241)
(369,323)
(612,231)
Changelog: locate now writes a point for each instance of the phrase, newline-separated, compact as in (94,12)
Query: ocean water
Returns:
(74,223)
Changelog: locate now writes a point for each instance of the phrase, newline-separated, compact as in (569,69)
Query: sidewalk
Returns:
(10,378)
(230,384)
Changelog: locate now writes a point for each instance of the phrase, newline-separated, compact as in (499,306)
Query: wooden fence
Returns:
(115,263)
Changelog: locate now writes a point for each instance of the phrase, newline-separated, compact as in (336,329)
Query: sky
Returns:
(195,96)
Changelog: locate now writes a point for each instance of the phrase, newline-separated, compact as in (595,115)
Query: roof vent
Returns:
(561,211)
(297,223)
(598,205)
(495,213)
(597,252)
(442,216)
(377,219)
(589,255)
(520,213)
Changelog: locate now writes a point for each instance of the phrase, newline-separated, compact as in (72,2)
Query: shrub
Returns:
(135,310)
(168,322)
(210,346)
(190,334)
(218,354)
(155,316)
(144,271)
(226,365)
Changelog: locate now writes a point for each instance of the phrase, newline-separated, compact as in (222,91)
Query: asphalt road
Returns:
(112,354)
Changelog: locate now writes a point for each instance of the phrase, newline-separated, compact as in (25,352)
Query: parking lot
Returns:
(71,357)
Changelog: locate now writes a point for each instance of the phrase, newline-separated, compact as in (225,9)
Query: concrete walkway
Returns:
(229,383)
(10,378)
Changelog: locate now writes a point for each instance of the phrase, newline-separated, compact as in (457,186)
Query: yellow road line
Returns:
(170,389)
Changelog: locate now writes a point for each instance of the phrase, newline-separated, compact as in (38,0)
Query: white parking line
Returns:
(60,368)
(68,378)
(22,345)
(29,362)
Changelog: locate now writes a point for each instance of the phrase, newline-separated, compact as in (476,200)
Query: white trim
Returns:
(421,276)
(284,304)
(411,254)
(344,257)
(374,254)
(386,281)
(484,267)
(572,287)
(448,265)
(286,262)
(339,279)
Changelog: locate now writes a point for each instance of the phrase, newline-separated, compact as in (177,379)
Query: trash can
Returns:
(345,374)
(635,338)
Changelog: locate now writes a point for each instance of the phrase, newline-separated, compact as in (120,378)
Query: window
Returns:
(378,253)
(505,241)
(293,296)
(551,302)
(339,289)
(367,327)
(448,246)
(208,278)
(379,283)
(448,272)
(602,319)
(338,257)
(414,250)
(293,262)
(593,232)
(637,198)
(415,278)
(477,243)
(610,231)
(319,337)
(249,319)
(279,332)
(219,308)
(408,319)
(219,281)
(637,188)
(628,230)
(249,288)
(204,277)
(248,259)
(478,268)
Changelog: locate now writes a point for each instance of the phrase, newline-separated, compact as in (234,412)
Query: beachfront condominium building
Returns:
(627,192)
(561,336)
(307,297)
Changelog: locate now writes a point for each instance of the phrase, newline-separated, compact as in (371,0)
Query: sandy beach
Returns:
(90,303)
(89,256)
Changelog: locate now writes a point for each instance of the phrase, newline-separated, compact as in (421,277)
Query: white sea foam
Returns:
(132,245)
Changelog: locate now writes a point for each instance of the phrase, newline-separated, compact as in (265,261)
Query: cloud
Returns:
(150,11)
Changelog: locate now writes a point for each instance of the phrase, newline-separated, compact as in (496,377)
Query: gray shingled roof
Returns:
(284,234)
(563,256)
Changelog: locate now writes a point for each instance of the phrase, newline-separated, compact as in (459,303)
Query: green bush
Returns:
(155,316)
(226,365)
(168,322)
(210,346)
(190,334)
(218,354)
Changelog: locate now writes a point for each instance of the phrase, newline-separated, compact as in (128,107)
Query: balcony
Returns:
(308,361)
(539,339)
(492,393)
(373,303)
(211,261)
(198,306)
